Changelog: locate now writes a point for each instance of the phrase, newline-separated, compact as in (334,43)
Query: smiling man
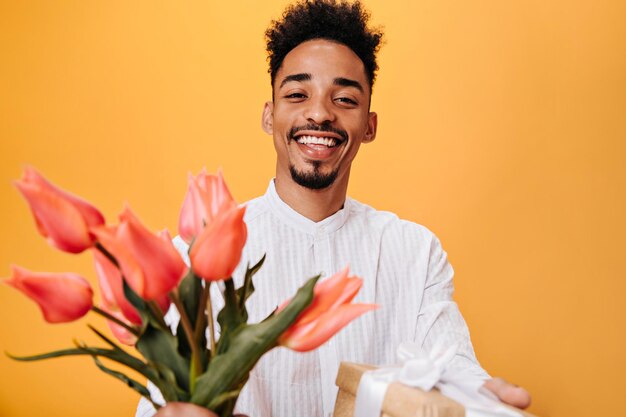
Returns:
(319,118)
(323,63)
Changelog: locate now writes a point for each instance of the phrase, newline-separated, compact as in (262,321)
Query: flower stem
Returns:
(108,254)
(115,320)
(209,312)
(184,319)
(157,313)
(196,360)
(201,320)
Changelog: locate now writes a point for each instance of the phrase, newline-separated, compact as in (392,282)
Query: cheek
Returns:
(281,126)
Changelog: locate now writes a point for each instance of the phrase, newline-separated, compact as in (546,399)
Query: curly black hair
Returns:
(338,21)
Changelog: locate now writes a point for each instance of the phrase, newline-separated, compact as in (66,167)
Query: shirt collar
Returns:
(294,219)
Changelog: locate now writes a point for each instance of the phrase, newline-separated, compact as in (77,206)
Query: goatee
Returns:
(315,180)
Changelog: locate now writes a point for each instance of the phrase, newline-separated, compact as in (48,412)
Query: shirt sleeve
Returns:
(439,320)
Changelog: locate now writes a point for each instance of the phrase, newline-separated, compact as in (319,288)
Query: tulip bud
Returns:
(217,250)
(329,312)
(62,297)
(65,220)
(207,196)
(112,289)
(150,264)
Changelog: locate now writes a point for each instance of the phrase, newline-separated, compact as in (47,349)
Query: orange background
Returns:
(502,128)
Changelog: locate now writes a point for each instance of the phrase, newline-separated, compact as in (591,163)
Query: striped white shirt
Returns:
(404,270)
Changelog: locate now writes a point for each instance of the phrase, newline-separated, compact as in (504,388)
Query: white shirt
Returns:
(404,270)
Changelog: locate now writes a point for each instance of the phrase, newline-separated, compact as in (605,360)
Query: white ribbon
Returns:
(426,370)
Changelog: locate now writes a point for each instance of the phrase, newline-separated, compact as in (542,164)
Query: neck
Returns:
(315,205)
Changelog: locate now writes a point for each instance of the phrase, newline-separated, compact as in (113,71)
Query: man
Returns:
(322,66)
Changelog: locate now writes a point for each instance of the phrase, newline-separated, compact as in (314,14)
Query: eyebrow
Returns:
(295,77)
(346,82)
(304,76)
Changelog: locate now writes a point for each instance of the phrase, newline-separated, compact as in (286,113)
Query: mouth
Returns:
(318,136)
(329,142)
(318,142)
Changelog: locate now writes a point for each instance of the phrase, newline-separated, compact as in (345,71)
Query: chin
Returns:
(313,179)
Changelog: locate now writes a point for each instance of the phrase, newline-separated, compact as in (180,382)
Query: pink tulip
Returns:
(150,263)
(328,313)
(112,289)
(217,250)
(62,218)
(207,196)
(62,297)
(122,334)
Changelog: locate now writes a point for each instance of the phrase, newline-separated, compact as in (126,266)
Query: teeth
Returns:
(314,140)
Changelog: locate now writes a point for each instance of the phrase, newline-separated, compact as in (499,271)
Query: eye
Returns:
(295,96)
(346,101)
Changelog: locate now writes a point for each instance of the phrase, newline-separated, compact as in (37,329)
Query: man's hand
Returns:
(508,393)
(186,410)
(183,410)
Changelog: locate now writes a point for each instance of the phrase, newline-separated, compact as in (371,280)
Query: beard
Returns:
(315,180)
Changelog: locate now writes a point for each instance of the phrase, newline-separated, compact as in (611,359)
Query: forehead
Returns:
(324,60)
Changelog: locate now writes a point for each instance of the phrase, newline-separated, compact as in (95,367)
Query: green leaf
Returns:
(119,356)
(139,303)
(115,355)
(246,290)
(234,313)
(173,391)
(248,343)
(229,318)
(110,342)
(162,377)
(224,404)
(141,389)
(160,348)
(189,292)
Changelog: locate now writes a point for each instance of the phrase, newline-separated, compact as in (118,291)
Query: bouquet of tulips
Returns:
(140,274)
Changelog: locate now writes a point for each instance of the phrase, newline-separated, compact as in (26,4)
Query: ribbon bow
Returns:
(425,370)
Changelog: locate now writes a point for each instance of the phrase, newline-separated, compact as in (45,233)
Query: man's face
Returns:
(320,114)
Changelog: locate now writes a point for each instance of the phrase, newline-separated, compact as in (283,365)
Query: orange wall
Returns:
(502,128)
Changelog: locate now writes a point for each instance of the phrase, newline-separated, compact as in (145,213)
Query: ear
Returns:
(372,125)
(267,118)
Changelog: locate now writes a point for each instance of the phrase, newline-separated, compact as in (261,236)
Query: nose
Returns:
(319,110)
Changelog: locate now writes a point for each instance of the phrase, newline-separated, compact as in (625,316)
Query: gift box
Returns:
(400,400)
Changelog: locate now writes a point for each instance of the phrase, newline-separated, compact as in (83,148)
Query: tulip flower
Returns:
(217,250)
(122,334)
(62,297)
(328,313)
(64,219)
(112,289)
(150,264)
(207,196)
